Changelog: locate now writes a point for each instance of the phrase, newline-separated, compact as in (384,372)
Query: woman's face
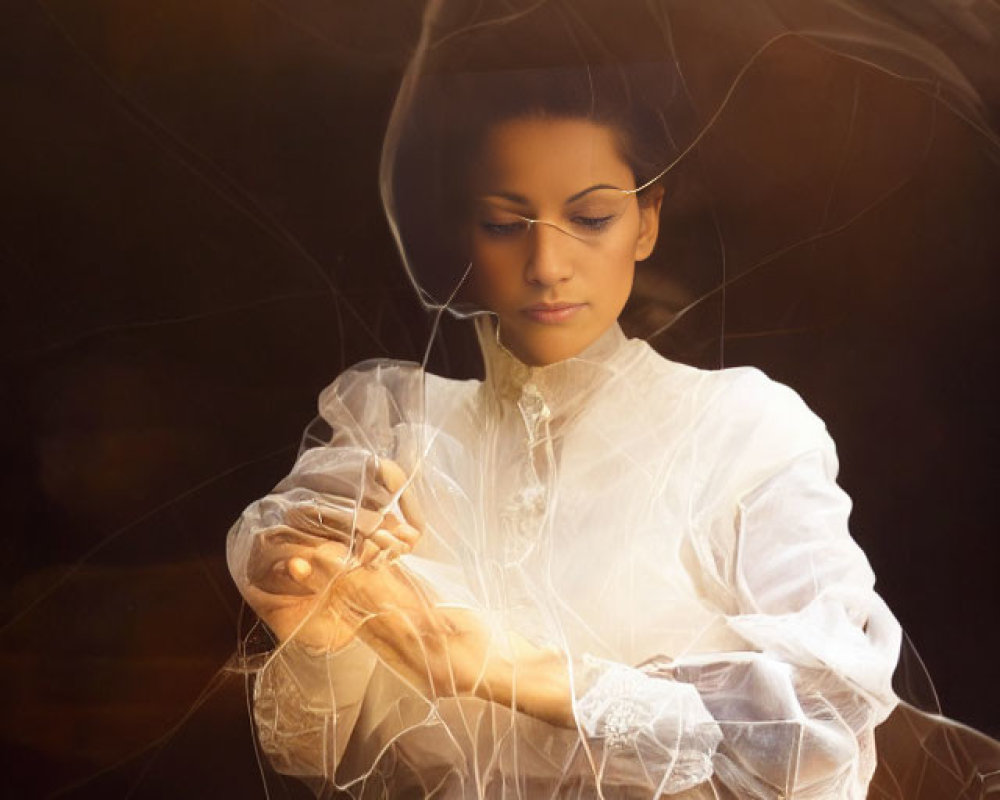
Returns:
(558,283)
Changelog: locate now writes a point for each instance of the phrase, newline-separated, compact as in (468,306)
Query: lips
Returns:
(551,313)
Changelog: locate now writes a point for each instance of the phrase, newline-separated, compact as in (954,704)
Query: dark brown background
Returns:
(192,246)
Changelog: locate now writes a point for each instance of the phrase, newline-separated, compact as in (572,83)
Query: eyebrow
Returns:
(522,200)
(590,189)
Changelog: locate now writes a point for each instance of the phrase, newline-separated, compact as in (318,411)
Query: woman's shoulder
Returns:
(746,425)
(402,386)
(732,398)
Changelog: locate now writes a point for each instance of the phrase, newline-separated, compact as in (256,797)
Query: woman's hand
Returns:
(291,578)
(440,651)
(329,575)
(294,566)
(370,532)
(324,598)
(443,651)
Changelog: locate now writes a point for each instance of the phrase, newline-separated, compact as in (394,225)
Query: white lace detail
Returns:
(521,522)
(619,725)
(523,518)
(608,710)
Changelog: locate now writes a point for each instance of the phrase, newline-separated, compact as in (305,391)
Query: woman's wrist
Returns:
(540,687)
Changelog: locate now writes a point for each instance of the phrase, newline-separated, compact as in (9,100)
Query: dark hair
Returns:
(603,96)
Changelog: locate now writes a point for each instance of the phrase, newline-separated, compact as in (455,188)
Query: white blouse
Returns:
(677,533)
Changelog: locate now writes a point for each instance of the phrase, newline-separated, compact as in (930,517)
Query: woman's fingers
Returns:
(288,562)
(367,532)
(385,531)
(323,519)
(299,569)
(407,534)
(281,580)
(283,543)
(395,479)
(315,569)
(367,551)
(270,553)
(391,544)
(346,520)
(338,522)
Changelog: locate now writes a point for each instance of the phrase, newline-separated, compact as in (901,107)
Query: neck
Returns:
(506,374)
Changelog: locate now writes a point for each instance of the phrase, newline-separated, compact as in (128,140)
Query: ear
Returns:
(650,204)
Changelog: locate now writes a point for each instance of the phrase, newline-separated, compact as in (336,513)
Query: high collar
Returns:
(564,385)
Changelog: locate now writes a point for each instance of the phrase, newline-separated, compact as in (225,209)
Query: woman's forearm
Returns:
(539,686)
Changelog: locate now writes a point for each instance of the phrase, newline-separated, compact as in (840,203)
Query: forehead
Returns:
(539,155)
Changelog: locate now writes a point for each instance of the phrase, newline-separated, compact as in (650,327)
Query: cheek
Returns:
(493,280)
(617,269)
(617,285)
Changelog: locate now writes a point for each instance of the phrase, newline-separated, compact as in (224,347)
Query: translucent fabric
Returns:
(632,577)
(691,564)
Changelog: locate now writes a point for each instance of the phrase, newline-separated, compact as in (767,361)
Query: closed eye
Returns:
(593,223)
(501,229)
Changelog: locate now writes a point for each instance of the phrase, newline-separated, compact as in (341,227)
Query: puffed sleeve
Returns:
(306,704)
(791,712)
(306,701)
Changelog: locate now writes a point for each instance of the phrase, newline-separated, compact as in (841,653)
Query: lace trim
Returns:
(608,710)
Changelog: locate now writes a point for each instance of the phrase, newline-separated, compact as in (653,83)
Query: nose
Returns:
(548,260)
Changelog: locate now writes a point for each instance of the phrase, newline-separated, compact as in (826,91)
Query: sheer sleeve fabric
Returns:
(307,700)
(782,703)
(792,712)
(306,705)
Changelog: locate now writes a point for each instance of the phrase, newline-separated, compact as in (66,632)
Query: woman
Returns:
(595,573)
